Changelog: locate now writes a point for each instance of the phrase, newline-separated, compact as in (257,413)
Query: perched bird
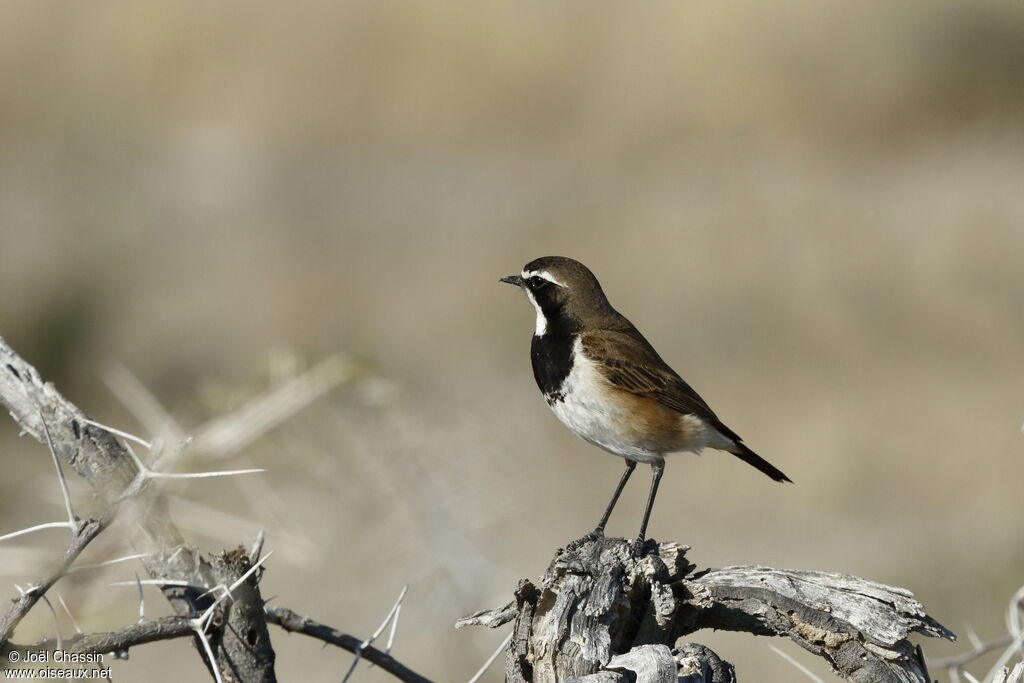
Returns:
(605,382)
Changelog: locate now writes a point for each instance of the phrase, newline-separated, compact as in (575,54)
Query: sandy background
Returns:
(813,211)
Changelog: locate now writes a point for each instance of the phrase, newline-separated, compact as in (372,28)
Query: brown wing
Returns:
(632,364)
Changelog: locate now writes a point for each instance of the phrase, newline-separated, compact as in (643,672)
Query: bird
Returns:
(606,383)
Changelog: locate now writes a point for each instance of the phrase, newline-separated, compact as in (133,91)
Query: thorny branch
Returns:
(118,641)
(85,533)
(117,477)
(218,602)
(292,622)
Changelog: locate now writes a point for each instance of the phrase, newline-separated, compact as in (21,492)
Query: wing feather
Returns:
(631,363)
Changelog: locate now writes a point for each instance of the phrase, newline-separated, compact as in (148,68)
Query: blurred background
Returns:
(814,212)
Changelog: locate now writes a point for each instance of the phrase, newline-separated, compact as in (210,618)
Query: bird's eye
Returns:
(537,282)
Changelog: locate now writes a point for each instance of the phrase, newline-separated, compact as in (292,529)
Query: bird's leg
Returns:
(630,466)
(656,472)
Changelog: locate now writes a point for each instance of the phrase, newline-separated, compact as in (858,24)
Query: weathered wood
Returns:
(599,599)
(698,664)
(646,662)
(860,627)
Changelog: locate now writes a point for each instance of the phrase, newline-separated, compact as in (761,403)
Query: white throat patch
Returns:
(542,322)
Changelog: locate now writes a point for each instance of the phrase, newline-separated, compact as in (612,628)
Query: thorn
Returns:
(490,660)
(117,432)
(97,565)
(800,667)
(142,598)
(65,606)
(56,624)
(201,632)
(39,527)
(72,518)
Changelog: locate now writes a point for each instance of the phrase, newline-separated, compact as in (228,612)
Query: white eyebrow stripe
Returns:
(543,274)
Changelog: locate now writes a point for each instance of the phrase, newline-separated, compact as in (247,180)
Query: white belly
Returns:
(597,417)
(588,411)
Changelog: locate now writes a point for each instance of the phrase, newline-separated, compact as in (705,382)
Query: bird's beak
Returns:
(513,280)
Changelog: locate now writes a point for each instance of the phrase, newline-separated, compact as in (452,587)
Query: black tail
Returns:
(751,458)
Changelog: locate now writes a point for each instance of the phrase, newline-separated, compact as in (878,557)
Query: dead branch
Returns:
(295,623)
(217,601)
(119,641)
(84,534)
(111,470)
(600,600)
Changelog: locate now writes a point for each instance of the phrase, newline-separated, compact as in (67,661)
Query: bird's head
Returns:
(563,291)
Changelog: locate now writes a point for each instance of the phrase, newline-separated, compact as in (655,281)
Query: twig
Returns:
(979,649)
(86,532)
(290,621)
(120,640)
